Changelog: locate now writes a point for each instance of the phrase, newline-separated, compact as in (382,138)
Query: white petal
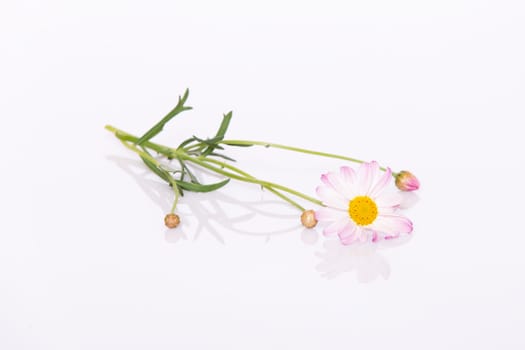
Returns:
(385,200)
(374,171)
(381,183)
(387,210)
(391,224)
(364,178)
(330,214)
(360,234)
(336,227)
(331,198)
(348,175)
(336,181)
(364,235)
(349,234)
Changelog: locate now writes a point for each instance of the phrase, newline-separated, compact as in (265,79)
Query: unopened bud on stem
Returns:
(308,219)
(172,220)
(406,181)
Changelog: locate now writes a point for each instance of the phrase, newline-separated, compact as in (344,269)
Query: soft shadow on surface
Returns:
(208,209)
(363,260)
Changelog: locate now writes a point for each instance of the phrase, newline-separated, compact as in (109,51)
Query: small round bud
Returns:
(406,181)
(308,219)
(171,220)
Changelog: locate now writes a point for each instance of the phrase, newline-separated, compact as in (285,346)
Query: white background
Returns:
(435,87)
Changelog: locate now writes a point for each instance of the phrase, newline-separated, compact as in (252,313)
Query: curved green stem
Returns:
(199,161)
(156,162)
(245,174)
(197,146)
(125,137)
(294,149)
(176,200)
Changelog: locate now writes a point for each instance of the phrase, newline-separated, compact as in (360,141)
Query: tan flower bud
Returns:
(308,219)
(171,220)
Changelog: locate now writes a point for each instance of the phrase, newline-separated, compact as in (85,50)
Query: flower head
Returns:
(406,181)
(357,208)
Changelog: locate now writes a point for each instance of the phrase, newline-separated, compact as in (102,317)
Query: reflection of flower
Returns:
(357,207)
(363,259)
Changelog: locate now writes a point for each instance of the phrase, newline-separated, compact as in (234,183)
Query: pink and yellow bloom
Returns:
(357,208)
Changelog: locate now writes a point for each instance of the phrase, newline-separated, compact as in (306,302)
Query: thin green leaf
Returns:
(161,173)
(188,171)
(201,188)
(160,125)
(209,142)
(197,138)
(236,144)
(224,125)
(220,134)
(186,142)
(213,154)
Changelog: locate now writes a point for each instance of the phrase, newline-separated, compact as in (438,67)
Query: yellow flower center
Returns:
(363,210)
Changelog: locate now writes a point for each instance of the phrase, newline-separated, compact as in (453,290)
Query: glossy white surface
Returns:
(433,87)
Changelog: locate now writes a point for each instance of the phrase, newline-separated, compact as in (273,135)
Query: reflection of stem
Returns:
(290,148)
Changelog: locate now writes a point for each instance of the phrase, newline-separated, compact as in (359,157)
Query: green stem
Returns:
(140,153)
(171,152)
(245,174)
(294,149)
(156,162)
(199,161)
(124,136)
(176,200)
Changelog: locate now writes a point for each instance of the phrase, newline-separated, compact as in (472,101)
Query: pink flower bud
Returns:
(406,181)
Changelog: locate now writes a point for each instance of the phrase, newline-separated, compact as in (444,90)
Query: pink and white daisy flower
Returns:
(357,207)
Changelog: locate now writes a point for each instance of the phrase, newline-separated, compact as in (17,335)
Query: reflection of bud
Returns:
(405,181)
(308,219)
(172,220)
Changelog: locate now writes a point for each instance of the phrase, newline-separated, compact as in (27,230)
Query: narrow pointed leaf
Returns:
(213,154)
(224,126)
(186,142)
(153,167)
(220,134)
(188,171)
(209,142)
(235,144)
(160,125)
(201,188)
